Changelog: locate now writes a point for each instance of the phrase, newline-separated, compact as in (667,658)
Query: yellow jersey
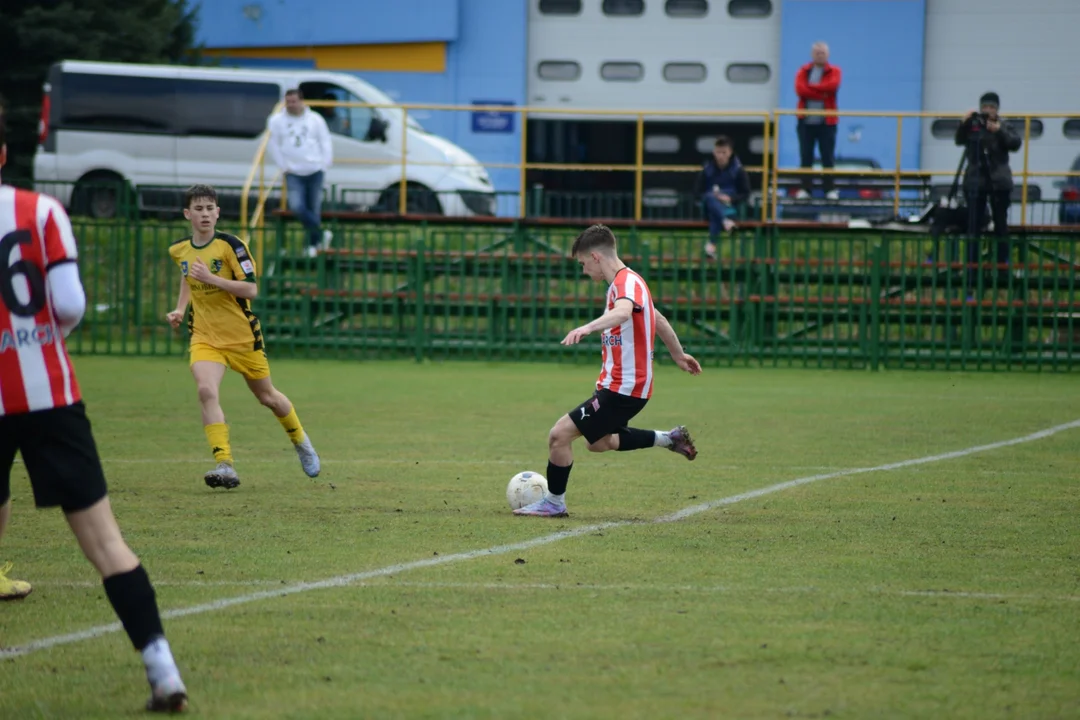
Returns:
(217,317)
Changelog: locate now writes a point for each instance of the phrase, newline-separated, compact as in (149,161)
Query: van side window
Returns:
(354,122)
(225,109)
(117,103)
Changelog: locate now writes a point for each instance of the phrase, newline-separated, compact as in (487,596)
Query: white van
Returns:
(158,127)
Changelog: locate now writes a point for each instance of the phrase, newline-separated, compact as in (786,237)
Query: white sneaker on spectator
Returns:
(327,238)
(311,251)
(832,195)
(802,195)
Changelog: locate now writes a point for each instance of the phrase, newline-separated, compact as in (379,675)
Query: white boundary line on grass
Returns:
(343,580)
(391,584)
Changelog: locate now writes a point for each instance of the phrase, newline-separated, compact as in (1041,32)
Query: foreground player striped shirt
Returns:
(35,237)
(627,349)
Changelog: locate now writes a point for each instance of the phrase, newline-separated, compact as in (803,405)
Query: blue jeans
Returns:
(717,211)
(305,199)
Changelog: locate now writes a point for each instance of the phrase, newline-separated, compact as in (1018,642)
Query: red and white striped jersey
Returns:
(627,349)
(35,371)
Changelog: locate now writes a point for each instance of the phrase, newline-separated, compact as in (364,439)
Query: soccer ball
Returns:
(525,488)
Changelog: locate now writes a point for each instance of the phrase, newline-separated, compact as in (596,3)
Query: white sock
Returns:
(557,499)
(159,661)
(662,439)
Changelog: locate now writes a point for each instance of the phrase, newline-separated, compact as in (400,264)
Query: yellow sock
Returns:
(292,426)
(217,434)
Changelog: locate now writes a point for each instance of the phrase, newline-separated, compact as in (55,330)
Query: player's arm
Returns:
(66,295)
(176,316)
(675,348)
(620,313)
(245,289)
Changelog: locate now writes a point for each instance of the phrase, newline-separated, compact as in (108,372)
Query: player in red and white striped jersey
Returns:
(628,336)
(42,417)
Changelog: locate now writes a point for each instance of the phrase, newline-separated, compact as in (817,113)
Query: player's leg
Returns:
(9,589)
(208,368)
(65,471)
(622,409)
(132,596)
(560,461)
(256,371)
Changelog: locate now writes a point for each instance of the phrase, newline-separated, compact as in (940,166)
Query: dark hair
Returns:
(723,141)
(196,192)
(597,237)
(294,91)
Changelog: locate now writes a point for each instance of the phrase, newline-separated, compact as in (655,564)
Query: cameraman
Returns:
(988,142)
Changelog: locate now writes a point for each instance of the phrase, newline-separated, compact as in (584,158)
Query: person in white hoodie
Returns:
(301,148)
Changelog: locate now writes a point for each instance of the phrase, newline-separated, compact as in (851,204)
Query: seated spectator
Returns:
(723,186)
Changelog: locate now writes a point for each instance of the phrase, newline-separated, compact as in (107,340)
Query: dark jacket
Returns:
(988,156)
(733,180)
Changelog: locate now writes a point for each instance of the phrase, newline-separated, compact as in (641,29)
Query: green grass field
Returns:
(947,589)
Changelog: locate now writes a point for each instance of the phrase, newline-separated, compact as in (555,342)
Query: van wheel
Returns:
(419,200)
(98,194)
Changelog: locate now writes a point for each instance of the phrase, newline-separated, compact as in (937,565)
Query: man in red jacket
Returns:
(816,84)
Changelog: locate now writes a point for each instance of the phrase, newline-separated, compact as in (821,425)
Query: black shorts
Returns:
(60,456)
(605,413)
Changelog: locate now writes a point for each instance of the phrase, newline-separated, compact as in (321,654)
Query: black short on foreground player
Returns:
(628,333)
(43,417)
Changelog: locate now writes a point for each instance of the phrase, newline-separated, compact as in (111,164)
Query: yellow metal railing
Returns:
(771,172)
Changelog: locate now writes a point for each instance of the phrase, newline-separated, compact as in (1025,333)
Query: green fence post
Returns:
(418,282)
(878,265)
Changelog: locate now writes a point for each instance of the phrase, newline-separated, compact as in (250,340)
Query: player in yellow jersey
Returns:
(217,277)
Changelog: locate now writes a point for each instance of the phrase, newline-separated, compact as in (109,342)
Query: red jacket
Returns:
(824,91)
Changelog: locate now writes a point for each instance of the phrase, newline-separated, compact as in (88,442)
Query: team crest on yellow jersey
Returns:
(215,266)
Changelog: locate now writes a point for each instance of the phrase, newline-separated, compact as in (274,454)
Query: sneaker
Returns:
(544,508)
(327,238)
(832,195)
(682,443)
(169,696)
(12,589)
(802,195)
(224,475)
(309,459)
(710,250)
(311,251)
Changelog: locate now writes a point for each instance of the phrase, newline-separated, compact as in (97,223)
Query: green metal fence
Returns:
(778,298)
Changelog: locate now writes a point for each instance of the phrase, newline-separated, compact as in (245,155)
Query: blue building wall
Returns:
(487,64)
(291,23)
(485,60)
(878,45)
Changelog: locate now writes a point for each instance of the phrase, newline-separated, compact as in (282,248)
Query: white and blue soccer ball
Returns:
(526,488)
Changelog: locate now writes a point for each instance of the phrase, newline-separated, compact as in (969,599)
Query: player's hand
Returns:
(200,272)
(575,335)
(688,363)
(175,318)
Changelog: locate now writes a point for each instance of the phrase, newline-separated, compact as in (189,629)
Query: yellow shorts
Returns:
(252,364)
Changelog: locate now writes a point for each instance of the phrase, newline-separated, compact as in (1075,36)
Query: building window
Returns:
(558,70)
(1072,129)
(705,144)
(757,145)
(685,72)
(1017,124)
(687,8)
(624,7)
(749,8)
(945,128)
(754,73)
(560,7)
(622,71)
(661,144)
